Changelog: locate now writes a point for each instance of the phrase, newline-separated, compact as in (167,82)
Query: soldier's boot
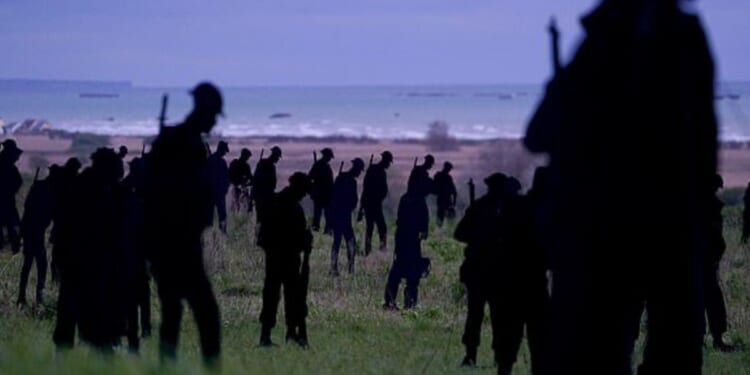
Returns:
(39,296)
(265,336)
(291,333)
(223,226)
(334,271)
(21,298)
(350,256)
(383,241)
(470,359)
(722,346)
(15,240)
(302,335)
(368,244)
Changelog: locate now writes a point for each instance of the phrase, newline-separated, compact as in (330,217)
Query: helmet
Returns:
(276,151)
(387,156)
(358,164)
(327,152)
(207,97)
(222,147)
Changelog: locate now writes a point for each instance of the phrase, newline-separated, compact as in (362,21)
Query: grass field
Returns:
(349,332)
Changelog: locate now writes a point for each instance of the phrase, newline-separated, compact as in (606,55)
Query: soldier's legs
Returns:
(171,315)
(132,324)
(143,300)
(536,329)
(507,329)
(350,246)
(337,234)
(411,291)
(28,259)
(369,228)
(327,215)
(382,228)
(317,213)
(715,308)
(67,312)
(221,209)
(202,301)
(441,210)
(271,295)
(391,287)
(14,239)
(41,273)
(474,316)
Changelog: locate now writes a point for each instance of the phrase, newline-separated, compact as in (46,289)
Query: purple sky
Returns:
(309,42)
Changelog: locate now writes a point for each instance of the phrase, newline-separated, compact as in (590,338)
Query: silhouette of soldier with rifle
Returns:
(321,176)
(178,199)
(344,203)
(241,177)
(264,182)
(412,224)
(10,183)
(420,174)
(374,191)
(446,193)
(645,74)
(219,174)
(37,216)
(284,236)
(62,187)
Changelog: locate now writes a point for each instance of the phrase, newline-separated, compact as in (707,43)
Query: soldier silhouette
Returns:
(322,189)
(264,182)
(716,310)
(122,153)
(644,73)
(90,284)
(10,183)
(446,193)
(478,229)
(284,237)
(137,295)
(219,175)
(241,177)
(177,202)
(343,204)
(374,191)
(412,224)
(420,174)
(37,216)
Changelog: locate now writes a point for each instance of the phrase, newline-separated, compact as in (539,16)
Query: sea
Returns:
(472,112)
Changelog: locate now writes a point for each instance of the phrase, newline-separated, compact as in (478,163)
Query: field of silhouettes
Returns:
(349,331)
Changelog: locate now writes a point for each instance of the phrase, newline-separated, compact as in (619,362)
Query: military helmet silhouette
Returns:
(10,147)
(245,153)
(327,152)
(207,97)
(387,156)
(358,163)
(448,165)
(429,158)
(222,147)
(496,181)
(300,180)
(276,151)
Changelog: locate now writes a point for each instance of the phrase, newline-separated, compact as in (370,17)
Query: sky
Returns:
(314,42)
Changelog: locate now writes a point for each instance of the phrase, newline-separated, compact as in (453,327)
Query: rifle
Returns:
(315,157)
(472,196)
(208,148)
(36,175)
(143,150)
(555,39)
(163,115)
(341,167)
(415,162)
(370,165)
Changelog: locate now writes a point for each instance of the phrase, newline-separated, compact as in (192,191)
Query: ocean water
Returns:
(472,111)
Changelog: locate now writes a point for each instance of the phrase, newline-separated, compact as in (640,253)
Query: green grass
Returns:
(349,332)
